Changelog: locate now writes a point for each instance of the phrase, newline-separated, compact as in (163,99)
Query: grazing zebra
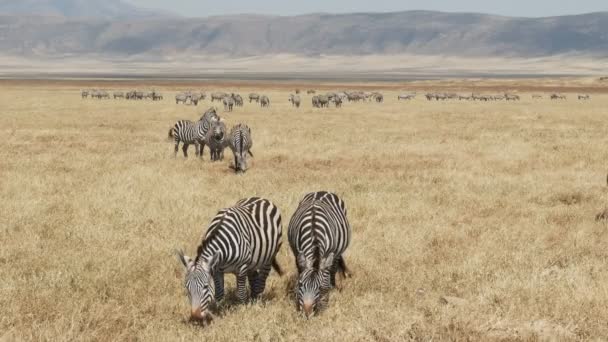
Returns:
(558,97)
(189,132)
(118,95)
(338,101)
(406,97)
(84,94)
(218,96)
(157,96)
(194,98)
(319,233)
(240,143)
(238,100)
(216,140)
(243,240)
(323,101)
(511,97)
(378,97)
(310,91)
(295,100)
(264,101)
(584,97)
(181,98)
(254,97)
(536,96)
(228,103)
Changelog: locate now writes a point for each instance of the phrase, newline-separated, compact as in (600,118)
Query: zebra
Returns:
(295,100)
(378,97)
(243,240)
(558,97)
(264,101)
(218,96)
(216,140)
(119,95)
(84,94)
(189,132)
(406,97)
(338,101)
(512,97)
(318,235)
(584,97)
(181,98)
(254,97)
(311,91)
(228,103)
(323,101)
(536,96)
(315,101)
(240,143)
(194,98)
(238,100)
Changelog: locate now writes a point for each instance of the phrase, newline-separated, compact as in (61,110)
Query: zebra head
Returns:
(199,285)
(313,284)
(218,130)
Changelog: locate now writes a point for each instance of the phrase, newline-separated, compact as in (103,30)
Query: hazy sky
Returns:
(529,8)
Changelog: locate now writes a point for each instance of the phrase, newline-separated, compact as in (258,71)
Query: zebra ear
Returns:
(184,259)
(327,262)
(303,263)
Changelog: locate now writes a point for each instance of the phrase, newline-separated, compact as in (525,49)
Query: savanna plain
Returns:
(471,221)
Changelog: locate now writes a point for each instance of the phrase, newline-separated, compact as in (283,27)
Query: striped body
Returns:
(243,240)
(319,233)
(217,140)
(240,143)
(190,132)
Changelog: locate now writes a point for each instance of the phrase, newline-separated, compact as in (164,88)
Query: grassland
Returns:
(471,220)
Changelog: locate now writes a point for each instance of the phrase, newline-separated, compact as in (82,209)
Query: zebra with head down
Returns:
(240,143)
(318,235)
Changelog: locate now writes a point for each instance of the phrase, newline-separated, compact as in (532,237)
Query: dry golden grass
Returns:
(471,220)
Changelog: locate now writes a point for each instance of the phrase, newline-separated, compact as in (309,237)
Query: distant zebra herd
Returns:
(245,239)
(130,95)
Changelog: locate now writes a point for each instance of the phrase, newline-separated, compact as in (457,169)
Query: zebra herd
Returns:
(210,130)
(130,95)
(244,240)
(337,99)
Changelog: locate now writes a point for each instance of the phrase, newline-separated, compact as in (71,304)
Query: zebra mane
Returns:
(207,239)
(316,249)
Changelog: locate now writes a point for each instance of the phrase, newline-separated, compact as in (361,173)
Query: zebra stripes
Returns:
(240,143)
(243,240)
(189,132)
(216,140)
(318,234)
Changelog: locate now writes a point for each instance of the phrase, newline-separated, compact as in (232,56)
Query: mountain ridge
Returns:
(405,32)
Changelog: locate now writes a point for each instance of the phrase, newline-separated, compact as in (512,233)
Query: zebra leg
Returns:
(219,286)
(176,148)
(259,283)
(197,148)
(241,286)
(185,149)
(252,277)
(202,149)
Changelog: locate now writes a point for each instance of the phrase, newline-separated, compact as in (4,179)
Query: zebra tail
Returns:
(249,151)
(276,266)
